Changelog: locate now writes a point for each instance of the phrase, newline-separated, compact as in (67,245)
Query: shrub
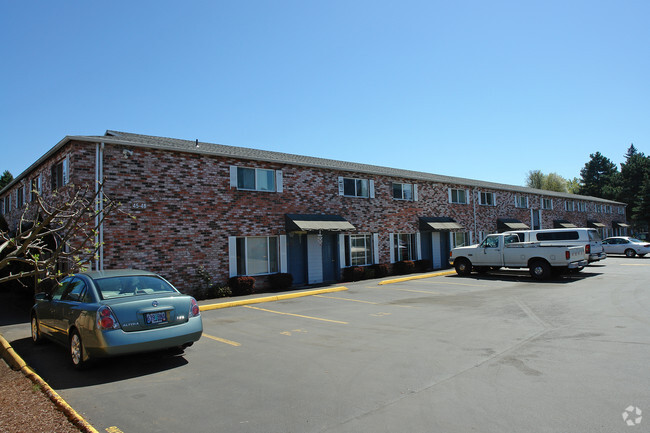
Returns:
(405,267)
(241,285)
(353,273)
(381,270)
(280,281)
(422,265)
(216,291)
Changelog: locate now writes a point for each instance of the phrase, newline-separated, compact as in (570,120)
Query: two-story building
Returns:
(241,211)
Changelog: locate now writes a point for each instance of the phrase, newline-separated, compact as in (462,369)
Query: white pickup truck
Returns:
(505,250)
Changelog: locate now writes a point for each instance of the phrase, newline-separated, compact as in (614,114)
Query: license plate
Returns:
(155,318)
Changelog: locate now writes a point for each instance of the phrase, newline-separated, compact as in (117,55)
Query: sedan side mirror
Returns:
(43,296)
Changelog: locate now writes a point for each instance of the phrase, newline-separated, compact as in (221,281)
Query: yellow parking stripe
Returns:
(222,340)
(296,315)
(347,299)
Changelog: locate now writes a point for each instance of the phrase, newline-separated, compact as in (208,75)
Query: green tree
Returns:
(634,180)
(573,185)
(5,179)
(535,179)
(600,178)
(551,182)
(555,182)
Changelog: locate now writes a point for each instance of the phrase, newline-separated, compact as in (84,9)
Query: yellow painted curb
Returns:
(17,363)
(270,298)
(416,277)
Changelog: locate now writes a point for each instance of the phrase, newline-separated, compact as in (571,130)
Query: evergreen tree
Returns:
(600,178)
(5,179)
(635,185)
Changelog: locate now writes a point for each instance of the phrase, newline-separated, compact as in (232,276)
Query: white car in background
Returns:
(626,245)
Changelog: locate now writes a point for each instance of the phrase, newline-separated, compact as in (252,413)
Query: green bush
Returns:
(405,267)
(280,281)
(217,291)
(423,265)
(241,285)
(353,273)
(381,270)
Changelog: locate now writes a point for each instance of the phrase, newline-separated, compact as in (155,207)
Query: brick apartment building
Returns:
(240,211)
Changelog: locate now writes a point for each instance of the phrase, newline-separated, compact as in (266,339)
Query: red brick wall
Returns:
(179,208)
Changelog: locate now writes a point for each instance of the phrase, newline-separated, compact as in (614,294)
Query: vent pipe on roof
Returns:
(197,142)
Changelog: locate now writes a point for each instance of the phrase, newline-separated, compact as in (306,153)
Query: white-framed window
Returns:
(582,206)
(359,250)
(621,210)
(608,208)
(35,188)
(255,179)
(599,208)
(521,201)
(7,204)
(404,247)
(257,255)
(352,187)
(487,199)
(547,203)
(458,196)
(405,191)
(60,174)
(569,206)
(20,197)
(460,239)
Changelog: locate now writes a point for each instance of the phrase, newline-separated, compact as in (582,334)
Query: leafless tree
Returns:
(55,237)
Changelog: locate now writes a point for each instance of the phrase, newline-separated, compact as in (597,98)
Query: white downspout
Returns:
(99,205)
(474,199)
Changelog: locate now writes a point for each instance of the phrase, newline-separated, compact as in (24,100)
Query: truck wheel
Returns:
(463,267)
(630,252)
(540,270)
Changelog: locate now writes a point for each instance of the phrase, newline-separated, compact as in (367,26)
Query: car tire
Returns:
(630,252)
(540,270)
(463,267)
(37,337)
(76,351)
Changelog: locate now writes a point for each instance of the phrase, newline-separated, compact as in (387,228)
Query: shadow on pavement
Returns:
(50,361)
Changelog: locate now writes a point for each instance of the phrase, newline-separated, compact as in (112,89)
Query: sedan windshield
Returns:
(117,287)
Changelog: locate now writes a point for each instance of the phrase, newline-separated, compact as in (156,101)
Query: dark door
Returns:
(297,258)
(330,262)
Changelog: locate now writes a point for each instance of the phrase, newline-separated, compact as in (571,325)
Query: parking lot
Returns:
(488,353)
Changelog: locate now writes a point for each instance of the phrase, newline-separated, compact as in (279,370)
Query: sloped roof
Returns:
(174,144)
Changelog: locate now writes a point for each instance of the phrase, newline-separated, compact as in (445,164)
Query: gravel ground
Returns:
(24,408)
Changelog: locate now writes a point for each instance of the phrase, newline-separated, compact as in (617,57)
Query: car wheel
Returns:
(463,267)
(540,270)
(37,337)
(76,351)
(630,252)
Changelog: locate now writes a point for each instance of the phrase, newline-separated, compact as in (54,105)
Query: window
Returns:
(521,201)
(349,187)
(256,179)
(358,250)
(404,191)
(599,208)
(7,204)
(558,236)
(59,174)
(460,239)
(582,206)
(404,247)
(20,197)
(458,196)
(257,255)
(35,188)
(569,206)
(487,199)
(608,209)
(547,204)
(621,210)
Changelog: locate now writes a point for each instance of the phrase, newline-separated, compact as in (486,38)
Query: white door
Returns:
(436,248)
(314,260)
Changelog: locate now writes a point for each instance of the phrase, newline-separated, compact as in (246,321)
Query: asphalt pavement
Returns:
(495,353)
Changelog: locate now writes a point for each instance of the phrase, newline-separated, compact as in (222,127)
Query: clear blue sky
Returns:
(480,89)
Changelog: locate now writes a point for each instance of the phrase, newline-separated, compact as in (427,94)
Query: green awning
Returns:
(317,223)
